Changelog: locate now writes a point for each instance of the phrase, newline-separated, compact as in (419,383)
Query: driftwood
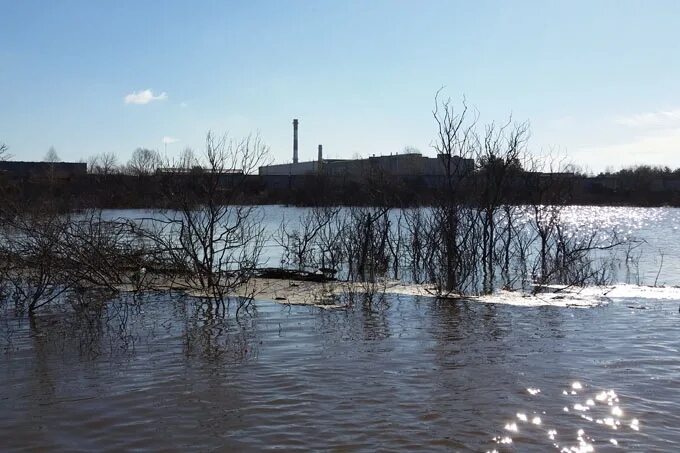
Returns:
(290,274)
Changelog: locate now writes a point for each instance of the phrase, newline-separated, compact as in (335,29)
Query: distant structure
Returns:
(39,170)
(295,141)
(410,164)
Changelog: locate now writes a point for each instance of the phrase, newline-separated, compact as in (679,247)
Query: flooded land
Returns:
(575,369)
(340,226)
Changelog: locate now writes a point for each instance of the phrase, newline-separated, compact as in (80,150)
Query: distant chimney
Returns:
(295,141)
(320,153)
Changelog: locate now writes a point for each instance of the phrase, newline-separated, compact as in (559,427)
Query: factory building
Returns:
(38,170)
(404,165)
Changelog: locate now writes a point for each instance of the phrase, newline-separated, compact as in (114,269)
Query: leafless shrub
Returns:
(631,258)
(475,237)
(573,260)
(415,242)
(101,253)
(329,241)
(658,273)
(364,242)
(302,244)
(395,244)
(29,245)
(209,243)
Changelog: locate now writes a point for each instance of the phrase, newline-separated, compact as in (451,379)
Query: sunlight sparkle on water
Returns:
(605,417)
(634,424)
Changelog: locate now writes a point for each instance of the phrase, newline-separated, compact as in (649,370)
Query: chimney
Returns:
(295,141)
(320,153)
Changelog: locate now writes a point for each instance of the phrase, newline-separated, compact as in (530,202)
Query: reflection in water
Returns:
(164,373)
(213,335)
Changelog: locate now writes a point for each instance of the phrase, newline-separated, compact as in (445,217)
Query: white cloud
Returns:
(651,120)
(169,140)
(183,105)
(144,97)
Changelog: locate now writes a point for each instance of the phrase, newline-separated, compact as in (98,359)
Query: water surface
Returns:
(402,374)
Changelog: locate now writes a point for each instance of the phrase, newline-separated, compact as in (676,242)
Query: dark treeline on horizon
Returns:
(498,156)
(641,186)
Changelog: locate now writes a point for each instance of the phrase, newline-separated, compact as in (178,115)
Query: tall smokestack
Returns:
(320,153)
(295,141)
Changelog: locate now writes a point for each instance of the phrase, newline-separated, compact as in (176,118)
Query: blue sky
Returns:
(599,81)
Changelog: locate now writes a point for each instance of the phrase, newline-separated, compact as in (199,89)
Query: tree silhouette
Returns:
(51,156)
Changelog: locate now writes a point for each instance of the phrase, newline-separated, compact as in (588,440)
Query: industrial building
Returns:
(404,165)
(38,170)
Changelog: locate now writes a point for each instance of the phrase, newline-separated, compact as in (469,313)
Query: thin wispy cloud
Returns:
(144,97)
(659,147)
(660,119)
(169,140)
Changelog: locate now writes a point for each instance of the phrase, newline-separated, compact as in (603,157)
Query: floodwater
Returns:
(400,373)
(654,257)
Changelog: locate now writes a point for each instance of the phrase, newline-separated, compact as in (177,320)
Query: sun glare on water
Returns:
(600,416)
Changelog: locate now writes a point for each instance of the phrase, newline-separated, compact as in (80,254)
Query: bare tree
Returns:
(4,152)
(103,164)
(51,156)
(410,150)
(500,154)
(449,226)
(144,162)
(188,160)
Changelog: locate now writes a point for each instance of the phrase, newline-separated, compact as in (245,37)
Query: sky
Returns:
(599,81)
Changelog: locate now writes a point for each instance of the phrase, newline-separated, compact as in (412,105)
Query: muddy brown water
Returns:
(404,374)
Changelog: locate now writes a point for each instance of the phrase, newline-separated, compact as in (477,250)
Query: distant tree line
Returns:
(141,181)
